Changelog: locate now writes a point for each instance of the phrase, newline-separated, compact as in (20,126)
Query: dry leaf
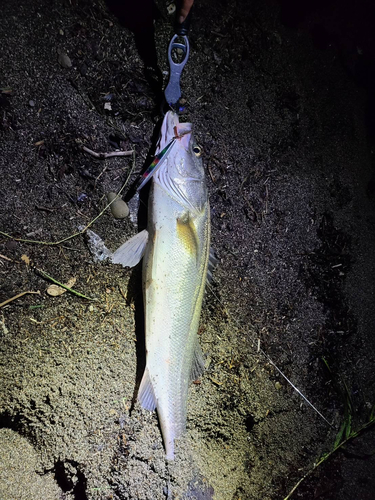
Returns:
(71,282)
(26,259)
(56,290)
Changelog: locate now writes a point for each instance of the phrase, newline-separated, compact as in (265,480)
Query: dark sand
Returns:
(281,103)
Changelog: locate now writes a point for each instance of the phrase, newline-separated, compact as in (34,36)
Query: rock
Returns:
(11,246)
(119,208)
(64,60)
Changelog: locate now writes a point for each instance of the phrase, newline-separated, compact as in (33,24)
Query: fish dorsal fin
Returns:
(197,368)
(212,263)
(131,252)
(146,395)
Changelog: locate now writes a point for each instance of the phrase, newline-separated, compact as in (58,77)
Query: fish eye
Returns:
(197,151)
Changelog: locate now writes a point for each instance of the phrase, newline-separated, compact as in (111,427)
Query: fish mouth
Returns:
(173,129)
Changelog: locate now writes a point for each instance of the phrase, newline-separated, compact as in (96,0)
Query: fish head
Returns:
(182,172)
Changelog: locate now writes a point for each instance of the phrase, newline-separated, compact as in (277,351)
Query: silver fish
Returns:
(175,250)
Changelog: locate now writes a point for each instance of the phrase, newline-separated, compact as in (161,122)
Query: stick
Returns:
(6,258)
(17,297)
(103,156)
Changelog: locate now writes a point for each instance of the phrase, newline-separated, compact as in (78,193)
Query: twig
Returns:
(55,243)
(45,209)
(6,258)
(6,90)
(210,172)
(62,285)
(101,173)
(122,293)
(328,455)
(17,297)
(216,33)
(103,156)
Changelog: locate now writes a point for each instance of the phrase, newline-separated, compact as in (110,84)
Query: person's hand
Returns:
(185,9)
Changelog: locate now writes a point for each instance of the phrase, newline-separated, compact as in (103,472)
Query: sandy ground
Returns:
(279,97)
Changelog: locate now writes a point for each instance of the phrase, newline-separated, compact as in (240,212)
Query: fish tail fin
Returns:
(146,397)
(169,450)
(146,394)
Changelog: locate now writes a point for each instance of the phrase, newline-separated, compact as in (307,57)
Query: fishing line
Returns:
(259,349)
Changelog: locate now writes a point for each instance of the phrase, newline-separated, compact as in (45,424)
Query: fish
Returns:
(175,248)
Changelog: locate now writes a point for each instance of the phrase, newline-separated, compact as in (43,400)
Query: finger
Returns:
(185,9)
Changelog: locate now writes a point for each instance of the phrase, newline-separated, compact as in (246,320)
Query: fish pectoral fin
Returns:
(187,234)
(131,252)
(146,395)
(197,368)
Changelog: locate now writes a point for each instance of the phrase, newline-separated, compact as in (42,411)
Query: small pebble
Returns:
(119,208)
(171,8)
(64,60)
(278,386)
(11,245)
(99,55)
(82,197)
(31,103)
(83,69)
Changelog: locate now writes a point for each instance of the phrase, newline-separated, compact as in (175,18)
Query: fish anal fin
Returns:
(131,252)
(197,368)
(146,395)
(212,263)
